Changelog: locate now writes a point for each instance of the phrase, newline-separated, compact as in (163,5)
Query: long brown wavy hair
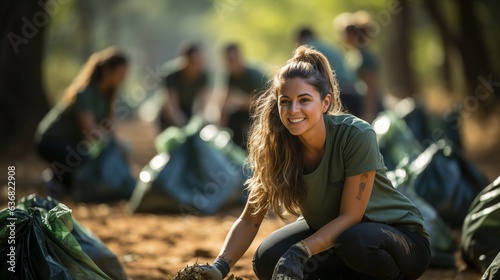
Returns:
(275,155)
(92,73)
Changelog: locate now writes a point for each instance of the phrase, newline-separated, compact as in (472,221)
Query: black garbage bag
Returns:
(427,127)
(199,170)
(481,228)
(43,246)
(448,182)
(90,244)
(104,177)
(493,271)
(443,246)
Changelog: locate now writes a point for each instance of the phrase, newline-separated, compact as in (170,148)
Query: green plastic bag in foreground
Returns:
(106,260)
(44,247)
(481,229)
(493,271)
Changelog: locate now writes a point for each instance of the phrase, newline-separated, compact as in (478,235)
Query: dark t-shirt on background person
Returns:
(187,90)
(249,82)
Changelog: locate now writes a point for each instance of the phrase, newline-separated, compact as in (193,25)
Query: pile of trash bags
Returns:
(40,239)
(425,162)
(198,169)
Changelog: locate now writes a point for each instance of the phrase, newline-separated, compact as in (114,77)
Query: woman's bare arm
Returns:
(241,236)
(355,197)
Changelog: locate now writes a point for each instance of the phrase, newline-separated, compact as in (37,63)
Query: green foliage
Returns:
(152,30)
(266,28)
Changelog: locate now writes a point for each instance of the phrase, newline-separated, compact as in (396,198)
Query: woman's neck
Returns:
(314,148)
(314,141)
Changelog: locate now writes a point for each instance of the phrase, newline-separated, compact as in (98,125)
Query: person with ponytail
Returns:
(83,117)
(311,159)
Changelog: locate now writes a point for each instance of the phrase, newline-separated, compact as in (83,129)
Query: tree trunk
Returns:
(402,82)
(472,48)
(448,40)
(470,43)
(22,99)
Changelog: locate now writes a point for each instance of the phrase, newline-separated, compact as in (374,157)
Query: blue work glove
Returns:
(216,271)
(291,264)
(210,272)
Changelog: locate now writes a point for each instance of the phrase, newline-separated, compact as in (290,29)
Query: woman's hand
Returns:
(291,264)
(210,272)
(206,271)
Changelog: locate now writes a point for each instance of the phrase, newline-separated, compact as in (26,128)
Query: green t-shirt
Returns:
(352,148)
(343,74)
(247,83)
(187,91)
(61,121)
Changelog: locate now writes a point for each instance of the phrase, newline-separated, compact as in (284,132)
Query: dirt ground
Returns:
(154,246)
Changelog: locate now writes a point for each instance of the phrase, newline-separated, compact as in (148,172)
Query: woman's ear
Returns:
(326,103)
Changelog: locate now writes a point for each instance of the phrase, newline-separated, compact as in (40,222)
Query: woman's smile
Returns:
(296,120)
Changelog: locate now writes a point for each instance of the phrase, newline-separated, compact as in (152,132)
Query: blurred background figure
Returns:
(186,88)
(241,81)
(355,29)
(84,117)
(345,76)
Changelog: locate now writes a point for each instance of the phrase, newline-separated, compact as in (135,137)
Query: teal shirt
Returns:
(351,149)
(368,61)
(61,121)
(343,74)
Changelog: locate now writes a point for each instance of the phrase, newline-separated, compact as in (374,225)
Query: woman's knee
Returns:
(265,259)
(352,239)
(275,245)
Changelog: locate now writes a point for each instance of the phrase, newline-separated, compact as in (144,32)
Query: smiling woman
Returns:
(310,159)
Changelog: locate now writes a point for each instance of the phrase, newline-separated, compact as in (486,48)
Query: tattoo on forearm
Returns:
(362,186)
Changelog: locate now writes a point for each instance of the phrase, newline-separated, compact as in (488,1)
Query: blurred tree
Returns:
(467,35)
(400,69)
(22,99)
(86,17)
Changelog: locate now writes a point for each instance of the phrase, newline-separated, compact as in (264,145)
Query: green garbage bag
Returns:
(198,171)
(481,228)
(396,140)
(493,271)
(173,136)
(43,246)
(90,244)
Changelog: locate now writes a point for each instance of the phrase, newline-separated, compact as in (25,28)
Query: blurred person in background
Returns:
(241,82)
(186,88)
(83,117)
(346,78)
(355,33)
